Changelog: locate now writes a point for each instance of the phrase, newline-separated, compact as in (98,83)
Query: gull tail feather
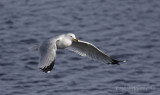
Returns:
(34,48)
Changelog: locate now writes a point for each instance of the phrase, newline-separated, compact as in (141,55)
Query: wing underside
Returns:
(87,49)
(47,56)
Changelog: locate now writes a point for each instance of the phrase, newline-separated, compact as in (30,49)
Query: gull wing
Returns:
(47,56)
(87,49)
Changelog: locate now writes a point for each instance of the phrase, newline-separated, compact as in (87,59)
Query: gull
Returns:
(48,48)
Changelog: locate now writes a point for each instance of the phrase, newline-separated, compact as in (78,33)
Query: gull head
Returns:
(72,37)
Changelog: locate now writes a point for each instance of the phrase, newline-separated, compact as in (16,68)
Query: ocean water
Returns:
(123,29)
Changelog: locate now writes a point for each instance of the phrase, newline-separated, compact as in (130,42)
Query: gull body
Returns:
(48,49)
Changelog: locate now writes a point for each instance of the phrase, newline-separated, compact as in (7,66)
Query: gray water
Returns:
(124,29)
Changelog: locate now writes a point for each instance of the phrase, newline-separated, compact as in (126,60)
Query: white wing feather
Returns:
(87,49)
(47,54)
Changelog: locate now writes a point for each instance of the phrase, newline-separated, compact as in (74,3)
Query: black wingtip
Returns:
(48,68)
(116,62)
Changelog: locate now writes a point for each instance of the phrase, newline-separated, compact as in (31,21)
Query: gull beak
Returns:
(75,40)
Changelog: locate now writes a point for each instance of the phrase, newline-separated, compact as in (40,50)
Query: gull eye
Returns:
(71,36)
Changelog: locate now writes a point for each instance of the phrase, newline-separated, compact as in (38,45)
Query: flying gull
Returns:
(48,49)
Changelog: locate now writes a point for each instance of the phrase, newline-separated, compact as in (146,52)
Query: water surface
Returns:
(124,29)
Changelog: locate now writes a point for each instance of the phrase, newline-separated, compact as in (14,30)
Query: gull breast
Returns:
(64,43)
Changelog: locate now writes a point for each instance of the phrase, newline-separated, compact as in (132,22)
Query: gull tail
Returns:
(114,61)
(34,48)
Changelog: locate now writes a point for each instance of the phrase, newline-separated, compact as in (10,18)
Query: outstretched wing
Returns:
(47,56)
(87,49)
